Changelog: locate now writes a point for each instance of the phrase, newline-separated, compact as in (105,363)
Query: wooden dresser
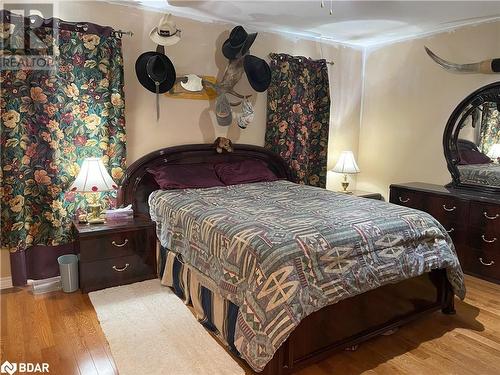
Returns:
(471,218)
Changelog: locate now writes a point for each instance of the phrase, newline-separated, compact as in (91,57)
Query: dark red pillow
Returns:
(473,157)
(245,171)
(188,176)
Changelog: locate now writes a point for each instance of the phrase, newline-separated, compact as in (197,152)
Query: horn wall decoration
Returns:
(491,66)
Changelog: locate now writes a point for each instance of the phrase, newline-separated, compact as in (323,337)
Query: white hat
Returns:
(166,33)
(193,83)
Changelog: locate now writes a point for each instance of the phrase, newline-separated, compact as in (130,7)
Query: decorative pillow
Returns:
(245,171)
(473,157)
(185,176)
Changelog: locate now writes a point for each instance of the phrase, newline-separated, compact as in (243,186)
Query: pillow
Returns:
(185,176)
(245,171)
(473,157)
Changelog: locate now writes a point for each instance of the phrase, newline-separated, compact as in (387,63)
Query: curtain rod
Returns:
(328,62)
(35,21)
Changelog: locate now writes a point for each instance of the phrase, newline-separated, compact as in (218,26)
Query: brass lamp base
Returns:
(94,210)
(345,185)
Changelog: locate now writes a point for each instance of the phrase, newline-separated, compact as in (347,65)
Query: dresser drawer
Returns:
(113,245)
(112,272)
(487,240)
(485,215)
(456,233)
(447,209)
(482,264)
(407,198)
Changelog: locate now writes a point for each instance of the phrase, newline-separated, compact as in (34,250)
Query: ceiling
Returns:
(356,23)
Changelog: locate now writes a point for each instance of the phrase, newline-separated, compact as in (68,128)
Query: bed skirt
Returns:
(216,313)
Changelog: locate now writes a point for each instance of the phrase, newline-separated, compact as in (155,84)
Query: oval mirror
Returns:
(472,141)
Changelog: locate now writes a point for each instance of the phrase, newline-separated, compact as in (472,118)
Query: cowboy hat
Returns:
(193,83)
(239,42)
(152,67)
(166,33)
(258,73)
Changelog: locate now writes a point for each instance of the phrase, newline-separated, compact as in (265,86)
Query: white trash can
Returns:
(68,268)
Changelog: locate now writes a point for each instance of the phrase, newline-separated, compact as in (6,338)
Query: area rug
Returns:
(150,331)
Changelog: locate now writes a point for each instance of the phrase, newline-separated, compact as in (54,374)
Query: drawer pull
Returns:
(120,244)
(488,241)
(451,230)
(449,209)
(490,217)
(404,200)
(121,269)
(487,264)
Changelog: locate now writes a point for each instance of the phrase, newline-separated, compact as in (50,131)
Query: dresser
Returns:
(115,253)
(472,220)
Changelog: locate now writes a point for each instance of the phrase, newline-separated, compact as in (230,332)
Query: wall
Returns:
(407,101)
(193,121)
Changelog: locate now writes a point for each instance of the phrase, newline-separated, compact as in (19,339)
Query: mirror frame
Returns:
(488,93)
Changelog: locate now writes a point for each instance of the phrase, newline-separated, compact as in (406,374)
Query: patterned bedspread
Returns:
(480,174)
(281,251)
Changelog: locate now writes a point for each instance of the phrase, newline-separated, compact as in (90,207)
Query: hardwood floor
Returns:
(62,329)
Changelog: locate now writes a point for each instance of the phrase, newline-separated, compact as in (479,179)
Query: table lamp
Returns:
(346,165)
(93,179)
(494,152)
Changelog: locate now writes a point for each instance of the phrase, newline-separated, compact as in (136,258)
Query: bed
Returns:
(276,299)
(480,174)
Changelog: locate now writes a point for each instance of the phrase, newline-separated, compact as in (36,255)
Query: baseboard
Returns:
(5,282)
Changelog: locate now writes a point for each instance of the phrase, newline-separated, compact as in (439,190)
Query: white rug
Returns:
(150,331)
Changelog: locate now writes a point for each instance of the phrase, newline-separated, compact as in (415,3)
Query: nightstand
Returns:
(115,253)
(365,194)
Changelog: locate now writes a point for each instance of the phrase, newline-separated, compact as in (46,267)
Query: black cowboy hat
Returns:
(239,42)
(155,66)
(258,73)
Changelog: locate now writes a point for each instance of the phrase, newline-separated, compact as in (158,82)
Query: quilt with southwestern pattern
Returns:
(281,251)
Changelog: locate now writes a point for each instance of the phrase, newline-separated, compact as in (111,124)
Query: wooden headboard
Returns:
(138,184)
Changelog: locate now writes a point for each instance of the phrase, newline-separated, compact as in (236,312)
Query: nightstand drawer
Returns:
(113,245)
(116,271)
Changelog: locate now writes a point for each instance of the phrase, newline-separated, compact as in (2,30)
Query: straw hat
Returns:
(166,33)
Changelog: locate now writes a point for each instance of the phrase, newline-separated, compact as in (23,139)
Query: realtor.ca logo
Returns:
(24,368)
(25,40)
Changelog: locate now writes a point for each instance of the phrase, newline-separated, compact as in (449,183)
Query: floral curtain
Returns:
(490,127)
(298,115)
(51,119)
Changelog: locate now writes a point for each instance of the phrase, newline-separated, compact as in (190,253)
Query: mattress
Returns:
(480,174)
(280,251)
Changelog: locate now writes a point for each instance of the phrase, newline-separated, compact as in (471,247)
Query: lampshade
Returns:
(93,177)
(494,152)
(346,163)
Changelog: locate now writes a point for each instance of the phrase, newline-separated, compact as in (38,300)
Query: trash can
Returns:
(68,268)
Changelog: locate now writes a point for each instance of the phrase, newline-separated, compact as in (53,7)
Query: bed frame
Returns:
(335,327)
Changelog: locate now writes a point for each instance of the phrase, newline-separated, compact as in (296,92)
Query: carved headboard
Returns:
(138,184)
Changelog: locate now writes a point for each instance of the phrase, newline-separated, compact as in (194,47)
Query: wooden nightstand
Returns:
(365,194)
(114,254)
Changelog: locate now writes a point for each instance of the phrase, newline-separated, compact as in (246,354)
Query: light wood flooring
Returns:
(62,329)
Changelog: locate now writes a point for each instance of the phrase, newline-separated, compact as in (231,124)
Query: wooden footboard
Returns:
(360,318)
